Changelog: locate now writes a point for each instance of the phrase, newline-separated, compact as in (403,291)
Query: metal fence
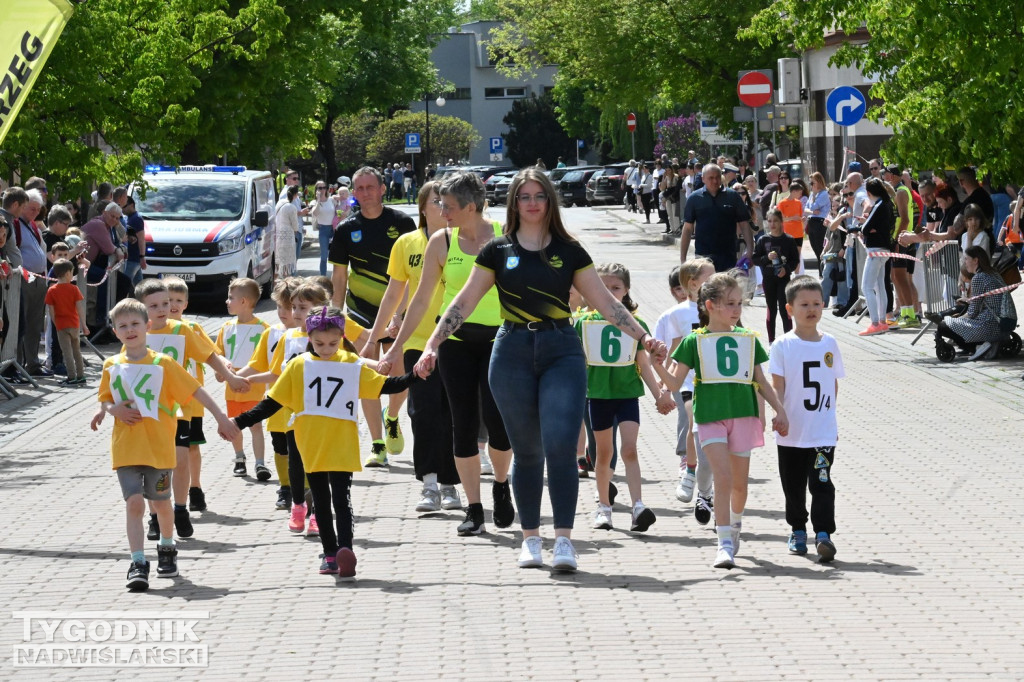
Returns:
(941,264)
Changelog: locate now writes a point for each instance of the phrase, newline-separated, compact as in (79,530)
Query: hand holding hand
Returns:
(656,348)
(665,403)
(227,429)
(780,423)
(238,384)
(426,364)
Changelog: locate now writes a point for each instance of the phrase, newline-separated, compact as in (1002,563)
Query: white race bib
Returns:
(294,346)
(331,389)
(140,384)
(726,358)
(272,340)
(168,344)
(240,343)
(605,345)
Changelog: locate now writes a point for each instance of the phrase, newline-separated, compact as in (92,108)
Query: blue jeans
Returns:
(539,381)
(133,271)
(298,247)
(325,232)
(872,284)
(842,291)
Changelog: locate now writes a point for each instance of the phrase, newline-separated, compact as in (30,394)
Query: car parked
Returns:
(491,184)
(572,188)
(501,188)
(608,187)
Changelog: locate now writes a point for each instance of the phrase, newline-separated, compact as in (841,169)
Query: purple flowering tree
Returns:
(677,135)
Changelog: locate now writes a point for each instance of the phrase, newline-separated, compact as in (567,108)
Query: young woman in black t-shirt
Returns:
(538,371)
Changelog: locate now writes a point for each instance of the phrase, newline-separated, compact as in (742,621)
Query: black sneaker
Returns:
(504,513)
(196,500)
(239,469)
(284,498)
(702,509)
(612,492)
(182,523)
(474,523)
(167,561)
(138,576)
(643,519)
(262,472)
(153,532)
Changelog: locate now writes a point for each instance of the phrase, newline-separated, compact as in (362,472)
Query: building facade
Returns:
(479,93)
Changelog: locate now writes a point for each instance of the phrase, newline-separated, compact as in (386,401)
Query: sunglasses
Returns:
(847,194)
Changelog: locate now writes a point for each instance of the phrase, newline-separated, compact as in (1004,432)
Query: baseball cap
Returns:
(854,167)
(893,169)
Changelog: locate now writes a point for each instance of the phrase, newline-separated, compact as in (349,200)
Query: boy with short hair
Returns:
(806,367)
(66,307)
(175,338)
(141,388)
(237,340)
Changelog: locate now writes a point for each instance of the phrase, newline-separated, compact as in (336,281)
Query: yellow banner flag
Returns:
(30,30)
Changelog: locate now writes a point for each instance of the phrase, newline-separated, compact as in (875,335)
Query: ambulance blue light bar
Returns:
(194,169)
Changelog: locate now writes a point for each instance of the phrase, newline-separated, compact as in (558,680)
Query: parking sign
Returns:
(497,145)
(412,143)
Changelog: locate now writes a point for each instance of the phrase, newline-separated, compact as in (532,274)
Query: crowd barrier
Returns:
(941,264)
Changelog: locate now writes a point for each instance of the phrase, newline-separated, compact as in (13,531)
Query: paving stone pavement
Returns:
(926,584)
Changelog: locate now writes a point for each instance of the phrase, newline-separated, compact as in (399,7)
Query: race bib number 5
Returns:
(607,346)
(726,358)
(140,384)
(331,389)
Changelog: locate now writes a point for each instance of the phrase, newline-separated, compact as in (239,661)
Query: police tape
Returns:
(31,276)
(889,254)
(938,246)
(1000,290)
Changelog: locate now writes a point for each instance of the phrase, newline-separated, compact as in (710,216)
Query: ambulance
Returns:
(208,225)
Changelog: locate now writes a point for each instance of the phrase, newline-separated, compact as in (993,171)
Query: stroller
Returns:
(1008,344)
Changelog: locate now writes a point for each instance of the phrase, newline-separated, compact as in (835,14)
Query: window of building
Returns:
(505,93)
(459,93)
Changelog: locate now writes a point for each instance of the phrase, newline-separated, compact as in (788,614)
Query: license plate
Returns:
(183,276)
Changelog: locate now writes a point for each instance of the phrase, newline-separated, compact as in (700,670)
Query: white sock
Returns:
(735,518)
(430,481)
(724,535)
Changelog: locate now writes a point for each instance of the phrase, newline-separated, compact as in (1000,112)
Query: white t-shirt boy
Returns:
(811,369)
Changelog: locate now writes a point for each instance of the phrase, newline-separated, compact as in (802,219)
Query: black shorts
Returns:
(687,396)
(605,412)
(905,263)
(182,439)
(195,432)
(279,442)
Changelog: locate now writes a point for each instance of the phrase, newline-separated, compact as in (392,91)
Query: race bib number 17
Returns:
(331,389)
(726,358)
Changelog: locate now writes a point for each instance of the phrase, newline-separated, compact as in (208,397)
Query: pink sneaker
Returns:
(312,530)
(297,523)
(346,560)
(880,328)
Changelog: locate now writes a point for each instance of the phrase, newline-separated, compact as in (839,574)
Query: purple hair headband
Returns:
(322,322)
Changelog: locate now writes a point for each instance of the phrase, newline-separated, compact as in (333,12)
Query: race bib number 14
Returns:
(726,358)
(331,389)
(141,384)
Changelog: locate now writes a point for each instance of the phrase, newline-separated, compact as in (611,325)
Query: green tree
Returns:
(450,137)
(352,134)
(947,75)
(535,133)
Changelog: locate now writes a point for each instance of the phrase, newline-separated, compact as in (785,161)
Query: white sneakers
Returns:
(725,558)
(530,556)
(603,518)
(684,491)
(431,500)
(564,560)
(450,497)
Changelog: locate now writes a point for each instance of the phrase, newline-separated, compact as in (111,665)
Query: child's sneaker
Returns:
(643,518)
(312,530)
(393,438)
(826,550)
(726,557)
(284,498)
(239,469)
(167,561)
(430,500)
(702,509)
(153,532)
(346,561)
(297,523)
(196,500)
(182,523)
(603,517)
(378,456)
(450,497)
(612,492)
(684,491)
(798,542)
(328,566)
(138,576)
(262,472)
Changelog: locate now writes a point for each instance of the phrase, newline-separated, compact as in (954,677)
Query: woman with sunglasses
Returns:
(819,203)
(538,370)
(323,212)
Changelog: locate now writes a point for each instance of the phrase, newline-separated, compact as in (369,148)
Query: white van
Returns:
(208,225)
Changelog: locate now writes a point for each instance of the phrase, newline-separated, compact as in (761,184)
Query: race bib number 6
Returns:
(726,358)
(140,384)
(607,346)
(331,389)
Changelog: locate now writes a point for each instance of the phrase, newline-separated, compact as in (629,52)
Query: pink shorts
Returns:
(742,434)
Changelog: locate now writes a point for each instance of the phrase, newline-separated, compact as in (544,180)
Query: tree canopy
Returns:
(450,137)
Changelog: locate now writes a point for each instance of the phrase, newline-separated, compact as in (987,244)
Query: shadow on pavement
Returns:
(813,570)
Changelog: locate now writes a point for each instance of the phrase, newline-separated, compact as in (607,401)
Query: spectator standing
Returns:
(288,225)
(323,212)
(13,202)
(33,290)
(713,215)
(388,177)
(103,193)
(397,183)
(819,203)
(102,253)
(135,242)
(877,229)
(976,194)
(66,306)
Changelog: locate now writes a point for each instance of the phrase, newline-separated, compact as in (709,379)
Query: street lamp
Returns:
(440,102)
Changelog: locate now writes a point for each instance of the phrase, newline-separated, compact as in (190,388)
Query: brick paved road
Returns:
(926,584)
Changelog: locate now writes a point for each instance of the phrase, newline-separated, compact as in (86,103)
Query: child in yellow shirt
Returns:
(141,389)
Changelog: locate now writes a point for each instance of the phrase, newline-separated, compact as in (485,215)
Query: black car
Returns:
(572,188)
(608,188)
(493,188)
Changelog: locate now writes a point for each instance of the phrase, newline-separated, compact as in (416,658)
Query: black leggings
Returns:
(942,330)
(798,474)
(775,296)
(463,367)
(296,472)
(332,489)
(431,419)
(816,236)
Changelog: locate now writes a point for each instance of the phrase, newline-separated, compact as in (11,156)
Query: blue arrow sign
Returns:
(846,105)
(497,145)
(412,139)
